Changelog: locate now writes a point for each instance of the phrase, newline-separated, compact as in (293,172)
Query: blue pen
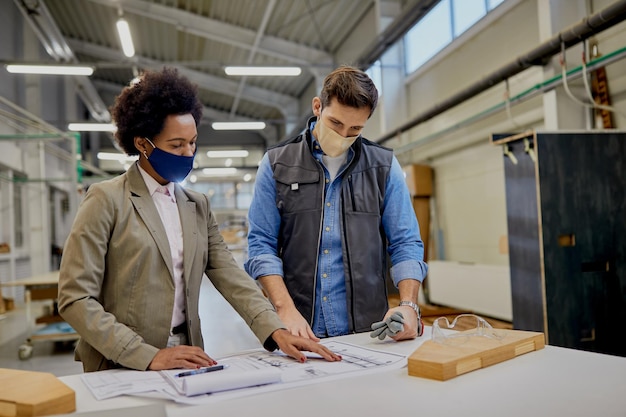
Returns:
(200,371)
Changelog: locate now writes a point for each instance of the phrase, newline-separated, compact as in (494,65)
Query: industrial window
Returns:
(375,73)
(447,20)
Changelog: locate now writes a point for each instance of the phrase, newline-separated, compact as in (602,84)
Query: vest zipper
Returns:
(347,245)
(319,240)
(351,192)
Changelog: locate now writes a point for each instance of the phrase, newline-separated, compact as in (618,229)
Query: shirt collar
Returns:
(152,184)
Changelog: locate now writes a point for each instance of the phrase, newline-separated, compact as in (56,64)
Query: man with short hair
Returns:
(328,206)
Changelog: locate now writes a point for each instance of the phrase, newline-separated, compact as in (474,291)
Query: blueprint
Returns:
(247,366)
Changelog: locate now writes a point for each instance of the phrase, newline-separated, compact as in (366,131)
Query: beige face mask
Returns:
(332,143)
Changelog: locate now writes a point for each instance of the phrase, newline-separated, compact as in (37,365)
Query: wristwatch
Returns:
(420,323)
(413,306)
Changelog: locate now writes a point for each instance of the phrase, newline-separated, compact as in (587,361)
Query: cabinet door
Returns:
(523,235)
(582,184)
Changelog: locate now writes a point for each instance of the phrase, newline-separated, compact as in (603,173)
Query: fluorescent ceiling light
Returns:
(219,171)
(237,153)
(127,41)
(238,125)
(263,71)
(92,127)
(111,156)
(49,69)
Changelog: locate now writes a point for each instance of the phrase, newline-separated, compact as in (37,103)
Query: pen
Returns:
(200,371)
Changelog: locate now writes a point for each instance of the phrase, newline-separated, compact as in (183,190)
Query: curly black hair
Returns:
(142,107)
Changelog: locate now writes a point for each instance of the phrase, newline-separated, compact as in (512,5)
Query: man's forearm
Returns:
(276,290)
(409,289)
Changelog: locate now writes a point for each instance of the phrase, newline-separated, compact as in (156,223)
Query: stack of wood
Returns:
(419,180)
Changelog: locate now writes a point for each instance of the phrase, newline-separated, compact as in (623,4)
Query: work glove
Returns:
(389,327)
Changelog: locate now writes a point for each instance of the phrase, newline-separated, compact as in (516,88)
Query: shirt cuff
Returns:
(410,269)
(263,265)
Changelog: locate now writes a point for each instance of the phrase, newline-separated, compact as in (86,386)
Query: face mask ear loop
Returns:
(150,142)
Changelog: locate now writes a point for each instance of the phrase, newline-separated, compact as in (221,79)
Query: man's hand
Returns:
(400,323)
(388,327)
(296,324)
(182,356)
(409,330)
(294,345)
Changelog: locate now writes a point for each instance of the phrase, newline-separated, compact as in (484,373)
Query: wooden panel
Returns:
(421,206)
(442,362)
(44,293)
(26,393)
(419,180)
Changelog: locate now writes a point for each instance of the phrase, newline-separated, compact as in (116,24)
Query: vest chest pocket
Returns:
(297,189)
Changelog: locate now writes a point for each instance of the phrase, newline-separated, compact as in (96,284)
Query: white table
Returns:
(549,382)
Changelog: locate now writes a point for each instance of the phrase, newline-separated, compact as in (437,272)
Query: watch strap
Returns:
(420,323)
(413,306)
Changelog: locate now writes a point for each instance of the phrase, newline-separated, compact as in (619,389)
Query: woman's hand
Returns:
(294,346)
(182,356)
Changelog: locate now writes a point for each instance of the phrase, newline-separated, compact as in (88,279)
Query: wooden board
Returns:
(26,393)
(445,361)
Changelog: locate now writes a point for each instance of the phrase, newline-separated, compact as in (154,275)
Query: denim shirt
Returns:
(399,222)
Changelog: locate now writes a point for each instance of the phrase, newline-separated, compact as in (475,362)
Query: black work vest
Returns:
(300,200)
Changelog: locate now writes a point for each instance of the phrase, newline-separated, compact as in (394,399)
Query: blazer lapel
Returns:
(187,212)
(144,205)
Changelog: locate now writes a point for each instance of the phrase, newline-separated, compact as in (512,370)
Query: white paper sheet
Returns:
(253,372)
(116,382)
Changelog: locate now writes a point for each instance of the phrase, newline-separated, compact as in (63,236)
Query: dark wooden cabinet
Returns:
(566,213)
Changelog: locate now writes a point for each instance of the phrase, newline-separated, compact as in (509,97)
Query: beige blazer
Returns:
(116,285)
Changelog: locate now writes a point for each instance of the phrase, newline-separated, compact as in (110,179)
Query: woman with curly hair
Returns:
(140,243)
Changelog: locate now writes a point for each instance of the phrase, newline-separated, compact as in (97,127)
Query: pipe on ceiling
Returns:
(589,26)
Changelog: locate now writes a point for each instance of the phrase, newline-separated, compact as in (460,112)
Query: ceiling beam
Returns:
(219,31)
(287,105)
(208,113)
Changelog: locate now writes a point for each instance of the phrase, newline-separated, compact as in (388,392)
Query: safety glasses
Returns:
(462,328)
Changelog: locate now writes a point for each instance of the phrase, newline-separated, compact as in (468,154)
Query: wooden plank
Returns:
(27,393)
(439,361)
(44,292)
(499,139)
(49,278)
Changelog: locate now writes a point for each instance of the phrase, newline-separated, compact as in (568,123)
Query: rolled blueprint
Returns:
(228,379)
